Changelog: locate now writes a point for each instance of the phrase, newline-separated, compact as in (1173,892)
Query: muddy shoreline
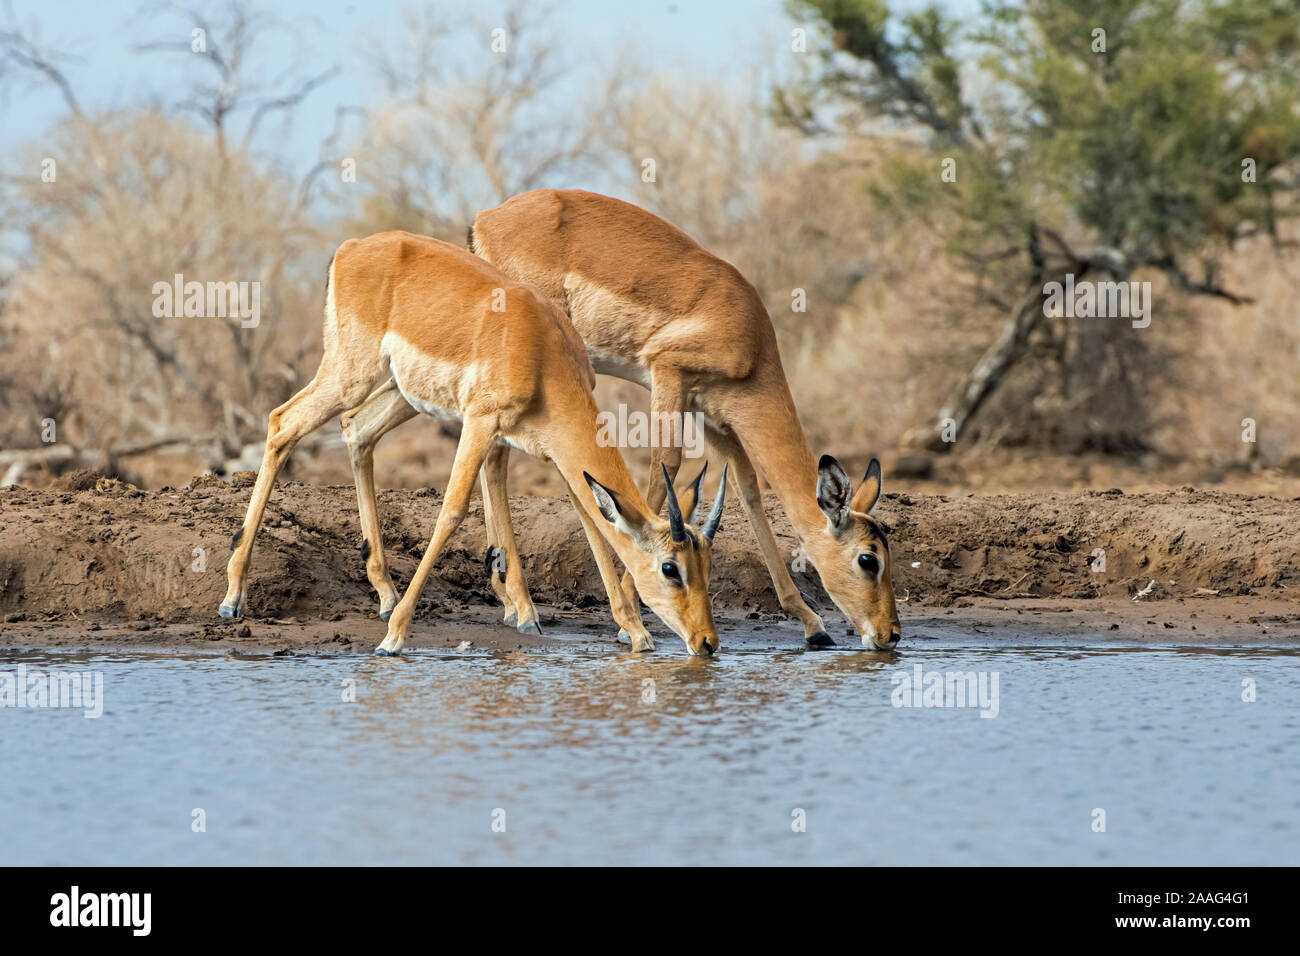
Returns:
(95,564)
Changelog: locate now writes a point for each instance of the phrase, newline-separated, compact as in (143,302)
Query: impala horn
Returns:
(675,523)
(710,526)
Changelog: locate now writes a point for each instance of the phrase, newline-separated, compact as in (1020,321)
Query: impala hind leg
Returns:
(503,548)
(626,612)
(476,439)
(745,481)
(322,399)
(667,408)
(363,426)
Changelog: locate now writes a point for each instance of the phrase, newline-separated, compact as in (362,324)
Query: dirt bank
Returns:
(93,561)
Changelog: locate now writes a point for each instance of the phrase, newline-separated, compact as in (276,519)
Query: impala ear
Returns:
(617,512)
(868,494)
(833,488)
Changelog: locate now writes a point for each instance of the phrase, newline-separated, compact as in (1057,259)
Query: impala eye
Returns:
(869,563)
(670,571)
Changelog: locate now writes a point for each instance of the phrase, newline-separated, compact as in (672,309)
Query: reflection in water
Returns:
(601,758)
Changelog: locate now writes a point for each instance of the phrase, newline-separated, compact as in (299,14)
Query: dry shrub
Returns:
(140,197)
(1238,362)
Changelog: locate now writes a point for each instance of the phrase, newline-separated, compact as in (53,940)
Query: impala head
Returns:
(852,553)
(671,560)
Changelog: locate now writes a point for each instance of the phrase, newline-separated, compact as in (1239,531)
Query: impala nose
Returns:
(875,640)
(706,649)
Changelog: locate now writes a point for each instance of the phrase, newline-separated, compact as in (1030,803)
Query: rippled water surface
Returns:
(596,757)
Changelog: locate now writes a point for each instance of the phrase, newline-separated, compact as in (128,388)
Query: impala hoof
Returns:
(512,620)
(820,639)
(381,652)
(385,615)
(530,627)
(229,612)
(645,645)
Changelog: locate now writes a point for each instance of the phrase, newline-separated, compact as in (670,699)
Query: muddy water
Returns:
(761,755)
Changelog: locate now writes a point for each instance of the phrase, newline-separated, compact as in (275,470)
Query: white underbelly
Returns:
(606,363)
(442,413)
(427,385)
(450,415)
(436,412)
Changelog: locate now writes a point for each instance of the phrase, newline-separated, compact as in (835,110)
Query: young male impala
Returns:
(655,308)
(462,340)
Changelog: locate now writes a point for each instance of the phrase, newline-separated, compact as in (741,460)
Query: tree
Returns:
(474,111)
(102,207)
(1105,139)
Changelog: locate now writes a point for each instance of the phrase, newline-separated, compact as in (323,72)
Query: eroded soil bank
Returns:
(93,563)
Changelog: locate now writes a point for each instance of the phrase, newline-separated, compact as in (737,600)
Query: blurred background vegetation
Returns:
(1144,140)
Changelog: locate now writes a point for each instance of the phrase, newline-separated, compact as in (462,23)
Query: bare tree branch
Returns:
(1209,286)
(28,55)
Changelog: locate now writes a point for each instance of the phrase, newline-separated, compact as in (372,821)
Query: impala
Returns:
(655,308)
(461,340)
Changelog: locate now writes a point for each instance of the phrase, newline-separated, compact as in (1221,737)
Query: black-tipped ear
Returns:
(868,493)
(606,500)
(833,490)
(617,512)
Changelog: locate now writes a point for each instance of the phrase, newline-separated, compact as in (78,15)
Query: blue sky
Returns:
(107,71)
(713,38)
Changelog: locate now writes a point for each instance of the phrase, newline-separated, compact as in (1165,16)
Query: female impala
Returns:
(655,308)
(462,340)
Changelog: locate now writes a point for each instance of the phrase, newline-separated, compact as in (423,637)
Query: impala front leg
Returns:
(745,481)
(475,439)
(627,614)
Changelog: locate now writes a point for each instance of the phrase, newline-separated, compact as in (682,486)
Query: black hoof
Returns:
(227,611)
(530,627)
(511,620)
(820,639)
(381,652)
(624,637)
(385,615)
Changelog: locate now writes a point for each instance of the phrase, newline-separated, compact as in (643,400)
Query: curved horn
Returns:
(696,489)
(675,523)
(710,526)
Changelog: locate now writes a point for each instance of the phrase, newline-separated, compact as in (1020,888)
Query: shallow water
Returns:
(600,757)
